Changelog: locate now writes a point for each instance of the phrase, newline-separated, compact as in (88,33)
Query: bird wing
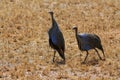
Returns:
(97,38)
(57,38)
(93,39)
(84,42)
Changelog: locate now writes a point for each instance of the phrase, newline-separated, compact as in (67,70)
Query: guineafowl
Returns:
(88,41)
(56,39)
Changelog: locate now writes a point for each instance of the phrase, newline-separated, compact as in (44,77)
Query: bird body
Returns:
(56,36)
(56,39)
(88,41)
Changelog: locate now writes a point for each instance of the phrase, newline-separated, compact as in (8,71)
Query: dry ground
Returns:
(24,50)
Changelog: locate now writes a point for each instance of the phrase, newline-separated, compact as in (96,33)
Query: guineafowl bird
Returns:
(56,39)
(88,41)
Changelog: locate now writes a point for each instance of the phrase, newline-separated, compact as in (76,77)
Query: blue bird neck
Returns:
(54,23)
(52,18)
(76,32)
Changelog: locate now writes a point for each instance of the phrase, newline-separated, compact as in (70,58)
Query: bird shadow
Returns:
(60,62)
(91,62)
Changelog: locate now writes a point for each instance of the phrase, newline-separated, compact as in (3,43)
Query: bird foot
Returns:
(61,62)
(53,61)
(83,62)
(103,59)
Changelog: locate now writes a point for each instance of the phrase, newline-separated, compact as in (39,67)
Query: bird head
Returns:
(74,28)
(51,12)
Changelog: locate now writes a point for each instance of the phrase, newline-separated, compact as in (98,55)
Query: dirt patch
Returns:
(24,50)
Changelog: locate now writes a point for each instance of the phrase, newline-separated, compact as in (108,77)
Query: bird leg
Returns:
(98,54)
(103,54)
(63,56)
(54,55)
(85,57)
(61,53)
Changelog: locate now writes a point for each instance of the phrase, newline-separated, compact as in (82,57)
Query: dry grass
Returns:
(24,49)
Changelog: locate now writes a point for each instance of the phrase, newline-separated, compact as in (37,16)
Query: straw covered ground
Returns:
(24,49)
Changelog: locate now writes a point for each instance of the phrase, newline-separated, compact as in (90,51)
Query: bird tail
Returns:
(101,48)
(61,53)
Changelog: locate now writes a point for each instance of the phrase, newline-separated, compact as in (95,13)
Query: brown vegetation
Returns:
(24,50)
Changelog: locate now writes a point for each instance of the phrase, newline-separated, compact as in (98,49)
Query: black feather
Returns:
(87,42)
(56,39)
